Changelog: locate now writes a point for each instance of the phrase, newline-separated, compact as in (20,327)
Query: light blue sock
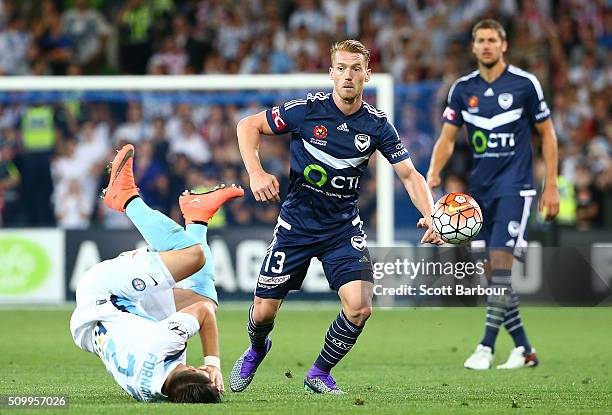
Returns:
(203,281)
(161,232)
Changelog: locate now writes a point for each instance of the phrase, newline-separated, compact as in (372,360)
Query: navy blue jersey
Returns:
(329,154)
(499,117)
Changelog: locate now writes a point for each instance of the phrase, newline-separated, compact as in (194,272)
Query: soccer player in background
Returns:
(333,137)
(126,307)
(499,104)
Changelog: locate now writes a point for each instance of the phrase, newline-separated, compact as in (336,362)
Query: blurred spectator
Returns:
(135,36)
(589,212)
(38,135)
(150,176)
(191,143)
(88,30)
(265,54)
(135,129)
(9,182)
(15,42)
(53,46)
(169,60)
(308,15)
(73,209)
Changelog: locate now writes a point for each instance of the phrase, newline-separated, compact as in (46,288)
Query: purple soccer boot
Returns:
(244,369)
(318,381)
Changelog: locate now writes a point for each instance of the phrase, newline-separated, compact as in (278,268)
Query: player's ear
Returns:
(368,75)
(331,70)
(504,46)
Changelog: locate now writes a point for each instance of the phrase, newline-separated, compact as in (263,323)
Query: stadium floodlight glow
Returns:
(381,83)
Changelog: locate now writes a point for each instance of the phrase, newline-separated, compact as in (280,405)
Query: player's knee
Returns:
(263,314)
(196,257)
(359,315)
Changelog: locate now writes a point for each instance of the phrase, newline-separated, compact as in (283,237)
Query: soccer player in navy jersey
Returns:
(499,104)
(333,137)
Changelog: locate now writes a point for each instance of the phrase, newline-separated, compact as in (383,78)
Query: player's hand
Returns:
(264,186)
(215,377)
(549,203)
(433,180)
(430,236)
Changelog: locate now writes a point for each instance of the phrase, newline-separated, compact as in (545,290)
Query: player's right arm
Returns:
(204,312)
(442,152)
(263,185)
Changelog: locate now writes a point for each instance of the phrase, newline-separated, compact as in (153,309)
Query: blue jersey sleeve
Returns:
(535,105)
(390,145)
(452,112)
(286,118)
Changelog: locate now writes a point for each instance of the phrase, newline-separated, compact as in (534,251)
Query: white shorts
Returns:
(138,280)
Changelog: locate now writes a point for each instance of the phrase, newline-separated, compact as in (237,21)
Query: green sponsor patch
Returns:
(307,173)
(479,141)
(24,265)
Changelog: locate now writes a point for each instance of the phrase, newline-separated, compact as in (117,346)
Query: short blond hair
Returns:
(352,46)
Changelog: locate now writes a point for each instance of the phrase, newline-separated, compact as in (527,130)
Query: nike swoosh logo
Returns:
(154,282)
(127,156)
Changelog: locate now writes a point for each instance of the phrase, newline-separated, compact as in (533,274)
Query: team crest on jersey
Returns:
(362,142)
(320,132)
(359,242)
(138,284)
(505,100)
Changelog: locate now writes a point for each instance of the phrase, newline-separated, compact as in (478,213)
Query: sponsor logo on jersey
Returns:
(362,142)
(399,153)
(449,114)
(277,119)
(489,93)
(481,142)
(317,176)
(505,100)
(359,242)
(265,280)
(320,132)
(138,284)
(473,101)
(544,111)
(342,127)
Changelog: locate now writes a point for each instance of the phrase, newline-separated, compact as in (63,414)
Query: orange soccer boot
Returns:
(201,207)
(121,187)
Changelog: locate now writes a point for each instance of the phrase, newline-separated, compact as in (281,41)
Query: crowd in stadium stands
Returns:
(52,156)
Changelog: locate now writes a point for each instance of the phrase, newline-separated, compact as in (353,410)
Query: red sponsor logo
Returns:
(449,114)
(320,132)
(278,120)
(473,101)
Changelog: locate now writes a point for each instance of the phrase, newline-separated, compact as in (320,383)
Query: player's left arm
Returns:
(421,197)
(549,202)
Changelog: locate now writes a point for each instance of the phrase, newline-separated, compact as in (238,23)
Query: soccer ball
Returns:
(457,218)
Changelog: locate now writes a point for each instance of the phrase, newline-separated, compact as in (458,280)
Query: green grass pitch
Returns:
(406,361)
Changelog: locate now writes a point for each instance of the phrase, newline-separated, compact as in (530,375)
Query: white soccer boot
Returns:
(518,359)
(481,359)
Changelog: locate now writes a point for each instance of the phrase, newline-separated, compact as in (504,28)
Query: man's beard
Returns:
(350,100)
(489,65)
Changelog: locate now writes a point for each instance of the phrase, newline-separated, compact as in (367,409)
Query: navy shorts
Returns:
(505,223)
(345,258)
